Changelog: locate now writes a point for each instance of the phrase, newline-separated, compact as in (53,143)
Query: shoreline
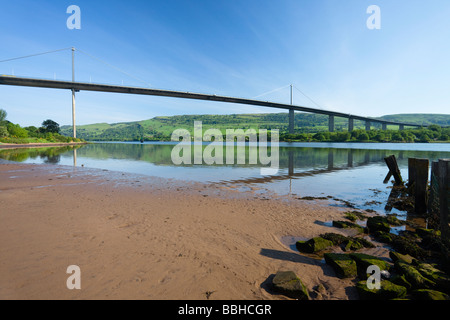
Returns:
(137,238)
(39,145)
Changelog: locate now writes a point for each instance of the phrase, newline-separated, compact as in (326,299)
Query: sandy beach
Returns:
(137,237)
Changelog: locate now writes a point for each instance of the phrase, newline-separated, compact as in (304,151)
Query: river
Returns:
(350,171)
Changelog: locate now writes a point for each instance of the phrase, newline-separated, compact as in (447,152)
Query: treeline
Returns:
(433,133)
(49,132)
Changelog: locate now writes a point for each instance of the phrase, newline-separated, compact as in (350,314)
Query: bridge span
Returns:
(78,86)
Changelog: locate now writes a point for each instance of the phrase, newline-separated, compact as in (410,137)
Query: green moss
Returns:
(363,261)
(343,264)
(287,283)
(387,291)
(378,223)
(348,225)
(413,276)
(426,294)
(313,245)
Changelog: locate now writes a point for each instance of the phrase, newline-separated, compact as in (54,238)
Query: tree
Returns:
(50,126)
(3,115)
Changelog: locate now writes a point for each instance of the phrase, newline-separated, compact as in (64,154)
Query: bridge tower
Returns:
(291,116)
(74,127)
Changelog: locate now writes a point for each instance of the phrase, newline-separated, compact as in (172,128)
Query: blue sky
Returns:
(241,48)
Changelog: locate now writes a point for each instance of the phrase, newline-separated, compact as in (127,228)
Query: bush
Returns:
(17,131)
(3,132)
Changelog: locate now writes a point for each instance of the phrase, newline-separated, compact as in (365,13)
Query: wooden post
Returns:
(433,199)
(444,193)
(391,162)
(420,173)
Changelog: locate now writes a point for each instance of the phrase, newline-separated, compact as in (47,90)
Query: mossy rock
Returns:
(401,281)
(347,243)
(403,245)
(378,223)
(413,276)
(427,294)
(393,220)
(423,233)
(287,283)
(313,245)
(384,237)
(343,264)
(355,215)
(408,246)
(336,238)
(363,261)
(348,225)
(387,291)
(441,279)
(396,256)
(354,244)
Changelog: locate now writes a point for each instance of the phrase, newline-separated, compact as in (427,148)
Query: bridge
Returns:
(79,86)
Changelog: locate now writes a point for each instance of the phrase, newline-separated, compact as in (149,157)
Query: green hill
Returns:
(161,128)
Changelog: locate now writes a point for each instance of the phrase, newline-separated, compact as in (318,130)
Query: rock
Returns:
(423,233)
(401,281)
(413,276)
(426,294)
(336,238)
(363,261)
(387,291)
(395,256)
(378,223)
(343,264)
(402,245)
(347,243)
(393,220)
(313,245)
(287,283)
(352,245)
(405,245)
(348,225)
(441,279)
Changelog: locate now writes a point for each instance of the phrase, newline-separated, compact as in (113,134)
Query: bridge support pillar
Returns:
(383,126)
(401,127)
(291,121)
(351,124)
(331,123)
(367,125)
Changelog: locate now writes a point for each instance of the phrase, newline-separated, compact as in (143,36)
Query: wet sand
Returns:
(137,237)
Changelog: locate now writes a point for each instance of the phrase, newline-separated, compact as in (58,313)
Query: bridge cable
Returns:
(272,91)
(34,55)
(319,106)
(114,67)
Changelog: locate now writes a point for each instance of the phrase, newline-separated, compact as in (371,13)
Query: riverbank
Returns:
(137,237)
(39,145)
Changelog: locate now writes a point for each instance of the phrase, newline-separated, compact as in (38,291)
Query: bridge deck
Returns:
(78,86)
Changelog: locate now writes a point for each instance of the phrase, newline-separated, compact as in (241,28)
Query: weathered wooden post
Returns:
(418,181)
(433,197)
(444,193)
(391,162)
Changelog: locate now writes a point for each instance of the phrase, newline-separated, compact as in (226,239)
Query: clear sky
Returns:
(241,48)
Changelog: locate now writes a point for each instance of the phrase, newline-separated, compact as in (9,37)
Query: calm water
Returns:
(354,172)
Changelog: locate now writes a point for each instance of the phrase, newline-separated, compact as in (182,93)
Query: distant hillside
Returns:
(425,119)
(161,128)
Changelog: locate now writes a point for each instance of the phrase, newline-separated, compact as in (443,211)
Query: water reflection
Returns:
(337,170)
